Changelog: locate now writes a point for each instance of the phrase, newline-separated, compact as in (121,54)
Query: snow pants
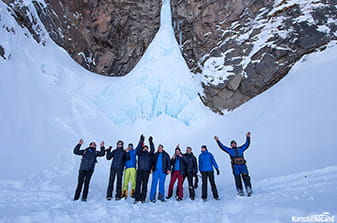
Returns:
(113,173)
(209,175)
(141,184)
(158,176)
(129,175)
(241,171)
(174,176)
(190,177)
(83,177)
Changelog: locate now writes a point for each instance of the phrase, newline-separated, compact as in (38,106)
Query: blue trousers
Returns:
(239,169)
(158,176)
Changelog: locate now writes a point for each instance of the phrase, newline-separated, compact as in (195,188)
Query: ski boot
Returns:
(249,191)
(132,194)
(125,194)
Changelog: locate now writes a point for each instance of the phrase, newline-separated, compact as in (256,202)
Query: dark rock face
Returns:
(241,48)
(107,37)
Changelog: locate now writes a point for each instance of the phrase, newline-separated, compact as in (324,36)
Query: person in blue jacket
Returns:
(206,164)
(239,165)
(161,167)
(130,171)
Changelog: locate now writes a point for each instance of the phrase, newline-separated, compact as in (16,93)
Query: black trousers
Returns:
(210,176)
(141,184)
(246,181)
(83,177)
(190,177)
(113,173)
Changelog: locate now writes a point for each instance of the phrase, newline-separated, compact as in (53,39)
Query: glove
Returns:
(150,139)
(109,148)
(142,138)
(217,172)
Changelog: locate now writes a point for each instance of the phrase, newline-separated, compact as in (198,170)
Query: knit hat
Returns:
(204,146)
(130,145)
(233,141)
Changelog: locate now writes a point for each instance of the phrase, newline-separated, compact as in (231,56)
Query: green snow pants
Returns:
(129,175)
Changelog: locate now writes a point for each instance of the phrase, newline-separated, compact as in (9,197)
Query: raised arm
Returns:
(221,146)
(151,145)
(77,150)
(102,151)
(140,145)
(109,153)
(247,143)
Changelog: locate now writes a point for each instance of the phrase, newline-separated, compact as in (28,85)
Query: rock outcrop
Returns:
(107,37)
(241,48)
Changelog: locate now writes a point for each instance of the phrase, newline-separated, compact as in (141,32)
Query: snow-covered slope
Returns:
(48,102)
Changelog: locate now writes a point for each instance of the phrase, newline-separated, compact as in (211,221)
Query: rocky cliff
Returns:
(107,37)
(239,48)
(242,48)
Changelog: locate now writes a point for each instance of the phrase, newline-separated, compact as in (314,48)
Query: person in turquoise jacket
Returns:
(239,165)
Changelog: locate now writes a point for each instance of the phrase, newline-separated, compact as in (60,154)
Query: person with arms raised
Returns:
(239,165)
(145,158)
(87,166)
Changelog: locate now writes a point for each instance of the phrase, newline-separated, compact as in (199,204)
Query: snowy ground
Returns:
(276,200)
(49,102)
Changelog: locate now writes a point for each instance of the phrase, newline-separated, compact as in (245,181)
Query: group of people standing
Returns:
(136,164)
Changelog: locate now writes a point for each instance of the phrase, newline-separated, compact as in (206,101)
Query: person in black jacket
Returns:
(190,170)
(143,172)
(117,167)
(87,167)
(177,166)
(161,166)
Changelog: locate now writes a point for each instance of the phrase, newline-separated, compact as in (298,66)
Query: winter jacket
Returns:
(119,157)
(131,163)
(181,163)
(207,162)
(236,151)
(145,158)
(89,155)
(190,164)
(166,163)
